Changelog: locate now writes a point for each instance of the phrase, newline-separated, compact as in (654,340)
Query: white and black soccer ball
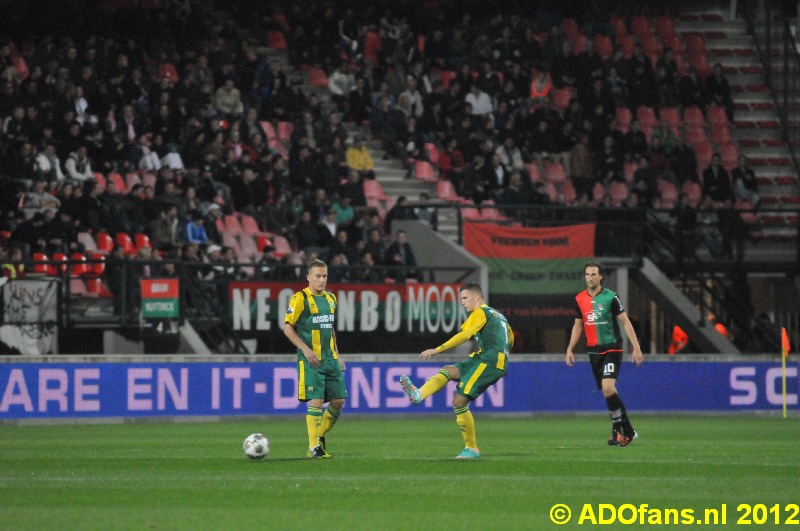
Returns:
(256,446)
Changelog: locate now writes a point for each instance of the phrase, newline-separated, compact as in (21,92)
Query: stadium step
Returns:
(756,128)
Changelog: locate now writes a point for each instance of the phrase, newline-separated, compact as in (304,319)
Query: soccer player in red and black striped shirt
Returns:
(599,313)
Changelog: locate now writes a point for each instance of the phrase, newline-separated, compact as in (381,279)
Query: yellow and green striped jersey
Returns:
(313,318)
(492,333)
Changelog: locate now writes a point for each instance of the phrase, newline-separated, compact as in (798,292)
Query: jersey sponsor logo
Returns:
(591,317)
(322,319)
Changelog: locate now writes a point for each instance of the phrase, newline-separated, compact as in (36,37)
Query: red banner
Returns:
(552,243)
(160,288)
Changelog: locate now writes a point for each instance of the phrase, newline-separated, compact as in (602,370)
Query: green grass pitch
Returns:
(391,473)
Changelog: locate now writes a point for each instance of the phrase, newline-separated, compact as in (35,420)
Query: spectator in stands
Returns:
(114,209)
(359,102)
(608,162)
(375,245)
(634,142)
(228,99)
(382,125)
(267,267)
(30,235)
(165,231)
(367,270)
(333,129)
(581,168)
(210,222)
(194,231)
(39,199)
(62,234)
(690,90)
(341,246)
(328,228)
(78,165)
(479,101)
(400,259)
(400,211)
(307,233)
(340,83)
(745,183)
(47,164)
(359,159)
(718,91)
(425,213)
(344,210)
(684,162)
(354,189)
(717,182)
(510,155)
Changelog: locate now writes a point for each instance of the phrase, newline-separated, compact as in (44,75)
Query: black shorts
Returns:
(605,366)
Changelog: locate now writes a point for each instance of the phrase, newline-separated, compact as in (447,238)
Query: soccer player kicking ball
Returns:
(309,326)
(596,310)
(482,369)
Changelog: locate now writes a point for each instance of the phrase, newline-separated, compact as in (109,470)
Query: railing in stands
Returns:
(769,23)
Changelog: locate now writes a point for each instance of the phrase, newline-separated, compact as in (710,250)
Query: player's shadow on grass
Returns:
(281,459)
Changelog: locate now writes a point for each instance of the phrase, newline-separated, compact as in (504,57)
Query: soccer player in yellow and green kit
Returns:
(475,374)
(309,325)
(597,311)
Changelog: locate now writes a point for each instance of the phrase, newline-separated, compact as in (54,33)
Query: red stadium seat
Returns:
(281,245)
(695,135)
(60,263)
(99,263)
(554,173)
(250,225)
(105,244)
(142,240)
(44,264)
(618,192)
(665,25)
(694,193)
(624,116)
(433,152)
(721,134)
(424,171)
(640,25)
(446,191)
(374,190)
(670,116)
(646,116)
(317,77)
(730,155)
(79,265)
(561,98)
(693,116)
(533,172)
(232,225)
(276,40)
(695,44)
(447,77)
(717,115)
(262,240)
(118,181)
(603,46)
(570,26)
(124,241)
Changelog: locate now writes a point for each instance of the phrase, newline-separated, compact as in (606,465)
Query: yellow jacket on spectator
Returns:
(358,158)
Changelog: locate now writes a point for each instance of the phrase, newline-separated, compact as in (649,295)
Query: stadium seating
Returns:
(124,240)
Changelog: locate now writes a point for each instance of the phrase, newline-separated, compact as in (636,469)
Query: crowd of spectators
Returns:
(105,131)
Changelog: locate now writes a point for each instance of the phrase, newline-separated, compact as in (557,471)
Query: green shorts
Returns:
(326,382)
(476,377)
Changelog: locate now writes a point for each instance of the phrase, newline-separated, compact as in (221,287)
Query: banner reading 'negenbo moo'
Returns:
(369,317)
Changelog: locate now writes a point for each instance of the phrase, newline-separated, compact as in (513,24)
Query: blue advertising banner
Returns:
(75,390)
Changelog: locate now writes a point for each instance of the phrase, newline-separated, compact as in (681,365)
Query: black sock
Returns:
(618,415)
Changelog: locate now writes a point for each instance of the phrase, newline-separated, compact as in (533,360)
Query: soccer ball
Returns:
(256,446)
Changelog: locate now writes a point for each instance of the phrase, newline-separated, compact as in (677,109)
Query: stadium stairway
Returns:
(756,125)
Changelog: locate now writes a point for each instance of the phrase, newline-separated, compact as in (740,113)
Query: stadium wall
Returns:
(120,388)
